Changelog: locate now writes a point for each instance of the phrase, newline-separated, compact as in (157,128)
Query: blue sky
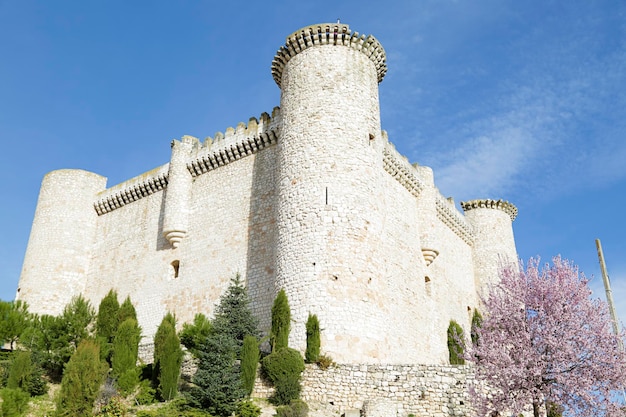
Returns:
(519,100)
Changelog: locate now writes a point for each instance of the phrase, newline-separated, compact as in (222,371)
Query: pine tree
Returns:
(281,322)
(313,343)
(168,357)
(83,375)
(249,362)
(218,386)
(233,316)
(125,352)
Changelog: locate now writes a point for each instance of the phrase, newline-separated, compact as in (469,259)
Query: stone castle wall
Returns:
(313,199)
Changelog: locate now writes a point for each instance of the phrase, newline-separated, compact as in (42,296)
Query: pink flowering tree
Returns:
(544,341)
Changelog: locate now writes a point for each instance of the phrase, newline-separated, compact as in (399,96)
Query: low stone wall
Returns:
(385,390)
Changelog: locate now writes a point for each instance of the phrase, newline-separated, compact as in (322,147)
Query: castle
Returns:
(312,198)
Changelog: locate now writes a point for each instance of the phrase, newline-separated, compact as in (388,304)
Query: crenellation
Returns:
(505,206)
(131,190)
(454,220)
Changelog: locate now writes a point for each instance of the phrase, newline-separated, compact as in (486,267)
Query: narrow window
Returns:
(427,285)
(175,268)
(326,195)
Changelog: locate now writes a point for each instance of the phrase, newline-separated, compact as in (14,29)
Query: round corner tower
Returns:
(61,238)
(329,215)
(494,244)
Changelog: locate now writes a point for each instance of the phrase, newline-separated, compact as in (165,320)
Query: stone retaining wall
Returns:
(385,390)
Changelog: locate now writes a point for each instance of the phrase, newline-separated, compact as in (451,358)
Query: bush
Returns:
(297,408)
(146,394)
(324,362)
(84,373)
(283,369)
(193,335)
(281,322)
(14,402)
(115,407)
(247,409)
(455,343)
(312,353)
(249,362)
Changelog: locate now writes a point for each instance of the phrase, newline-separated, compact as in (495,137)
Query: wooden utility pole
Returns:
(607,288)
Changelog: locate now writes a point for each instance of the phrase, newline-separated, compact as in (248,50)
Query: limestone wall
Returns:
(423,390)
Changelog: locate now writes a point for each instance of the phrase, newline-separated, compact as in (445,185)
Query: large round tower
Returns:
(61,239)
(494,244)
(329,213)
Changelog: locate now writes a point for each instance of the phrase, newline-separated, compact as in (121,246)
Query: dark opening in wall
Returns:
(175,268)
(427,285)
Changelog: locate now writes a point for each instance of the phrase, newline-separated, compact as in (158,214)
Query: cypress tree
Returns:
(313,343)
(455,344)
(125,352)
(249,362)
(126,311)
(107,323)
(168,357)
(281,322)
(477,322)
(20,371)
(83,375)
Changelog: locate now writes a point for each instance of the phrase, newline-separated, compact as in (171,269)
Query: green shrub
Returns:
(455,343)
(283,368)
(115,407)
(312,353)
(14,402)
(324,362)
(84,373)
(146,394)
(193,335)
(176,408)
(297,408)
(281,322)
(248,409)
(249,362)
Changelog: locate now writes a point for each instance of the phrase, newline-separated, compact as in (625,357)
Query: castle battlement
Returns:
(329,34)
(450,216)
(505,206)
(399,167)
(132,190)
